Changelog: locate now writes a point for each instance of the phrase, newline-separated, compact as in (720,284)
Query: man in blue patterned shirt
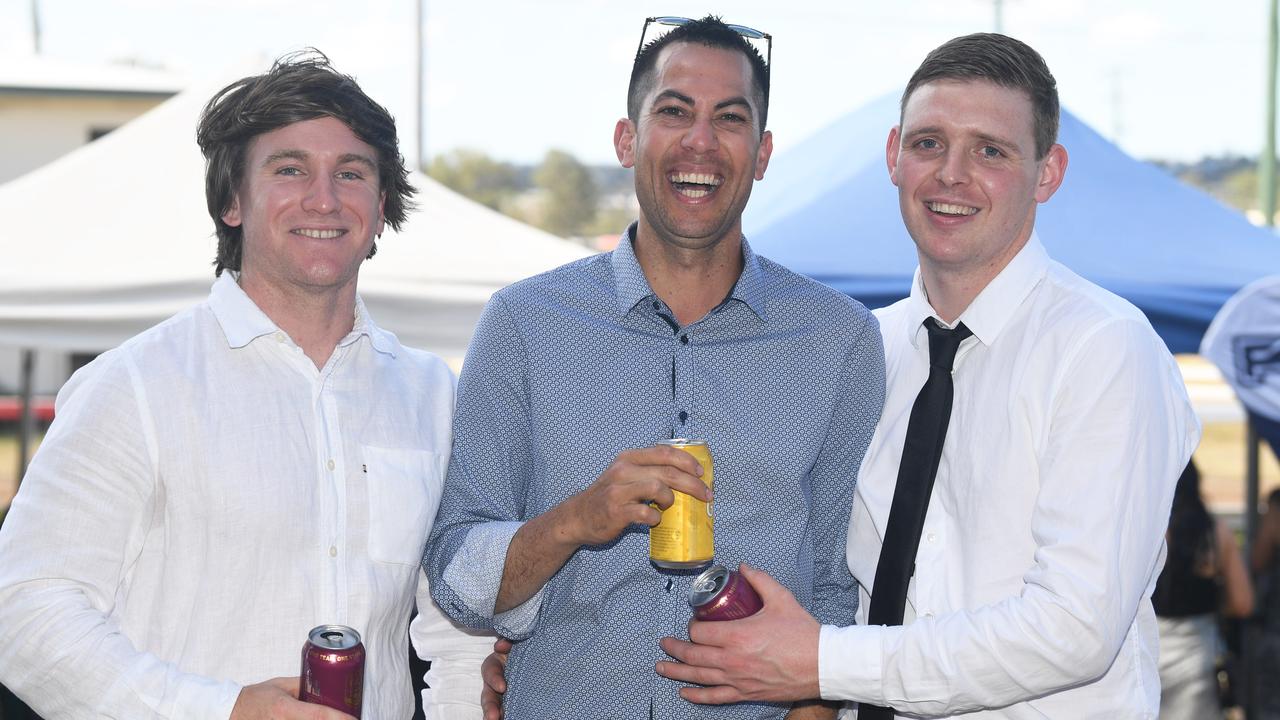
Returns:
(682,331)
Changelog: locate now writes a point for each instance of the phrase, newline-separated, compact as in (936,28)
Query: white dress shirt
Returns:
(205,497)
(1045,530)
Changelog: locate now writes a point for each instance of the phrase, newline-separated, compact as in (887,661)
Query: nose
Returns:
(322,195)
(954,168)
(701,136)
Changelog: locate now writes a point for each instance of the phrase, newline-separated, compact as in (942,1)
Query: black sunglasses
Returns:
(743,30)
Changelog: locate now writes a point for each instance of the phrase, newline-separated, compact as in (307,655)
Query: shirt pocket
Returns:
(404,492)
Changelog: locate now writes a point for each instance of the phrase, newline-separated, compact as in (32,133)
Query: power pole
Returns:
(35,25)
(420,65)
(1267,166)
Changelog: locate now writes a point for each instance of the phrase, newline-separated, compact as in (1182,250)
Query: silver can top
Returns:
(681,442)
(333,637)
(708,585)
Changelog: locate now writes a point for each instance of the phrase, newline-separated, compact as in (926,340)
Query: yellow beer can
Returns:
(685,537)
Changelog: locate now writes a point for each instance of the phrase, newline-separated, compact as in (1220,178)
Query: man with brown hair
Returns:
(1008,524)
(265,462)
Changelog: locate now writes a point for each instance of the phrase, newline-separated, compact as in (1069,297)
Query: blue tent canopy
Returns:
(827,209)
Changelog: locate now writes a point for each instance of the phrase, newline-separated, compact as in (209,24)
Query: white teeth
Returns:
(695,178)
(318,234)
(695,193)
(948,209)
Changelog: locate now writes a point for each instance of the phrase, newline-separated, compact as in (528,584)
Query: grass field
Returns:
(9,466)
(1221,459)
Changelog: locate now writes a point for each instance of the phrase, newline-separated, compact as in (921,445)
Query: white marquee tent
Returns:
(114,237)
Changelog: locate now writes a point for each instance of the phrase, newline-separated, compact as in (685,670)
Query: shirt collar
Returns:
(242,321)
(992,309)
(632,287)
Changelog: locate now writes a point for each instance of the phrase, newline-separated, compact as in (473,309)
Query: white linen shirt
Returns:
(205,497)
(1044,533)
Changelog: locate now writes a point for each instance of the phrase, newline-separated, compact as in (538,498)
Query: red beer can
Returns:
(723,594)
(333,669)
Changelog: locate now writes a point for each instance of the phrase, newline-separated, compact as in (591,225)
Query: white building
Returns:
(48,108)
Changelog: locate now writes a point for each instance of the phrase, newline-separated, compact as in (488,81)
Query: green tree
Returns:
(569,192)
(1240,189)
(475,175)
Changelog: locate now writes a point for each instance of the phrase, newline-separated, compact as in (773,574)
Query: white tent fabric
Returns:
(114,237)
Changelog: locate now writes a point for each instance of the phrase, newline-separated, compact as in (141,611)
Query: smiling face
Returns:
(967,176)
(696,146)
(310,206)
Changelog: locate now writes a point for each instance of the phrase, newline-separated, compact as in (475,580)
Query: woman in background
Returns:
(1266,567)
(1203,575)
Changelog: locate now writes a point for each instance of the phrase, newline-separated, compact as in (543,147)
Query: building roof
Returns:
(42,75)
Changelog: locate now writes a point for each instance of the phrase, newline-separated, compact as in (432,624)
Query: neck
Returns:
(691,281)
(952,288)
(316,321)
(949,296)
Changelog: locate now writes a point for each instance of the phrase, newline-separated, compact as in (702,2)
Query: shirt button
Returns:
(684,339)
(331,465)
(927,615)
(657,305)
(279,337)
(333,551)
(683,416)
(931,537)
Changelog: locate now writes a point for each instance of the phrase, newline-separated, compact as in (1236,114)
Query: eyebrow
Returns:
(302,156)
(730,102)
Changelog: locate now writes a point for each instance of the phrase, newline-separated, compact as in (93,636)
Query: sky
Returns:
(1165,79)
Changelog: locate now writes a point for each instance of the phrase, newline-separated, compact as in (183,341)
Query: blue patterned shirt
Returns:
(785,381)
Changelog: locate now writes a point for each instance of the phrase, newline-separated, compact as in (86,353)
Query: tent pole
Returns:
(26,421)
(1252,443)
(1251,484)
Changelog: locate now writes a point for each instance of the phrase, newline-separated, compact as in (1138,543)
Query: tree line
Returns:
(560,194)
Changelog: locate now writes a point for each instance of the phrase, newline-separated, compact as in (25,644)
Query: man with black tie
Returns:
(1008,522)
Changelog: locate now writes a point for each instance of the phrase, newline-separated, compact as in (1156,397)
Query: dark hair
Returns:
(1004,61)
(1191,530)
(711,32)
(299,86)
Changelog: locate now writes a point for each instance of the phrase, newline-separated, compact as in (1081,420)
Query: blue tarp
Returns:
(827,209)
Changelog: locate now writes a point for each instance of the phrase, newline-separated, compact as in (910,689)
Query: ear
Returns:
(231,215)
(624,142)
(1053,168)
(763,153)
(891,152)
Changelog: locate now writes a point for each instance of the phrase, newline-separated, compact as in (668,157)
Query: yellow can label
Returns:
(686,535)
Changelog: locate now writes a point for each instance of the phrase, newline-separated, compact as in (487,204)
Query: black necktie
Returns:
(921,452)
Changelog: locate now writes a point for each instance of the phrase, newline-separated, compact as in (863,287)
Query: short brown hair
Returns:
(298,87)
(1004,61)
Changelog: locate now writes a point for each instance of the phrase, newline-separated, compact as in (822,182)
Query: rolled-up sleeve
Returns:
(489,471)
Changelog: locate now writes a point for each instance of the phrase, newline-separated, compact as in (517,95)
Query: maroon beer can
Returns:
(723,594)
(333,669)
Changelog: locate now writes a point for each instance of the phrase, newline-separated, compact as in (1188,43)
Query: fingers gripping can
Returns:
(723,594)
(685,537)
(333,669)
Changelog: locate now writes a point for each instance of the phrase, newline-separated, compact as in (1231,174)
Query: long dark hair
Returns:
(1190,535)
